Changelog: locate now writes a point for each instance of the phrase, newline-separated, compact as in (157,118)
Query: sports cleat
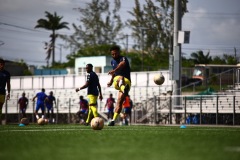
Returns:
(126,90)
(85,124)
(112,123)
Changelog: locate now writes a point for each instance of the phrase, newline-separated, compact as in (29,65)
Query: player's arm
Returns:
(8,88)
(100,91)
(111,80)
(26,103)
(119,67)
(34,98)
(83,87)
(55,102)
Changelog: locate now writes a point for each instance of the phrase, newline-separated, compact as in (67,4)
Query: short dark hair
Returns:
(2,61)
(43,90)
(115,47)
(81,97)
(90,65)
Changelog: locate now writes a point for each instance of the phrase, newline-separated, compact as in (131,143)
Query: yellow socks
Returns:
(92,110)
(115,116)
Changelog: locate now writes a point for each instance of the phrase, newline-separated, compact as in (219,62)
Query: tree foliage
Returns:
(52,23)
(199,57)
(152,24)
(99,24)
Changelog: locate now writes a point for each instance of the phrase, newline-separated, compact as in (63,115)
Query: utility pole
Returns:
(177,62)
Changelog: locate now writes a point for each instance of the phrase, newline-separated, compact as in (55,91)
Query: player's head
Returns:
(51,92)
(81,97)
(2,63)
(43,90)
(89,67)
(110,95)
(115,51)
(23,94)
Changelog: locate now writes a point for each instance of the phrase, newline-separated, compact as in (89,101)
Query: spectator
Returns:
(83,110)
(23,103)
(49,101)
(110,106)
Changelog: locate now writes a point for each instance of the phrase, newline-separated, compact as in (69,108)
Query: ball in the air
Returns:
(97,123)
(41,121)
(24,121)
(159,79)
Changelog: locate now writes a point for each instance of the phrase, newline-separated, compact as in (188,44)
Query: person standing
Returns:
(23,103)
(41,96)
(83,110)
(93,91)
(4,81)
(110,106)
(49,101)
(127,110)
(121,79)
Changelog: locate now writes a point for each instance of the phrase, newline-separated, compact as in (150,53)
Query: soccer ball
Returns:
(41,121)
(159,79)
(24,121)
(97,123)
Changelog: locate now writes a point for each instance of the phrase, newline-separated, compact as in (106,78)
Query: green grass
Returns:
(70,142)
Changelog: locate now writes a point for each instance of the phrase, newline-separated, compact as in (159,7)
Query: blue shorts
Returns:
(49,107)
(83,111)
(127,110)
(40,106)
(110,110)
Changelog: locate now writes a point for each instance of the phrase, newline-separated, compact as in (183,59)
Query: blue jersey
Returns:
(51,98)
(93,81)
(41,96)
(125,71)
(4,77)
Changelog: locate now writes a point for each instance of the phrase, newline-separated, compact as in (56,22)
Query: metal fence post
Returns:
(185,109)
(155,110)
(217,111)
(234,111)
(170,110)
(57,110)
(200,118)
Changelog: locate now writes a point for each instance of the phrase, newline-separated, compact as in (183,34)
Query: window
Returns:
(81,70)
(98,69)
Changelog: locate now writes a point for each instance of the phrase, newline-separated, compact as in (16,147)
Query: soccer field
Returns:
(75,142)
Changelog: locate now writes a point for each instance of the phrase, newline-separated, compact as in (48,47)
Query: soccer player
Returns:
(110,106)
(49,101)
(126,110)
(41,96)
(93,91)
(4,81)
(120,79)
(23,103)
(83,110)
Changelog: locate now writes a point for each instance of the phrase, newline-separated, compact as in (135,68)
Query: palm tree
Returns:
(53,23)
(200,58)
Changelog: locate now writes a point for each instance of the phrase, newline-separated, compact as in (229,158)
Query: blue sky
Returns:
(214,27)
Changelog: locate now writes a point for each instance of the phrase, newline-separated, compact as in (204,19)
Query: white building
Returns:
(101,64)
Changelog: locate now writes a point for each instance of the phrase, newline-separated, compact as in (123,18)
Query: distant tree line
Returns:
(100,26)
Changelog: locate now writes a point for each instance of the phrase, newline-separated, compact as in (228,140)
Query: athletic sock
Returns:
(115,116)
(94,111)
(89,115)
(37,116)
